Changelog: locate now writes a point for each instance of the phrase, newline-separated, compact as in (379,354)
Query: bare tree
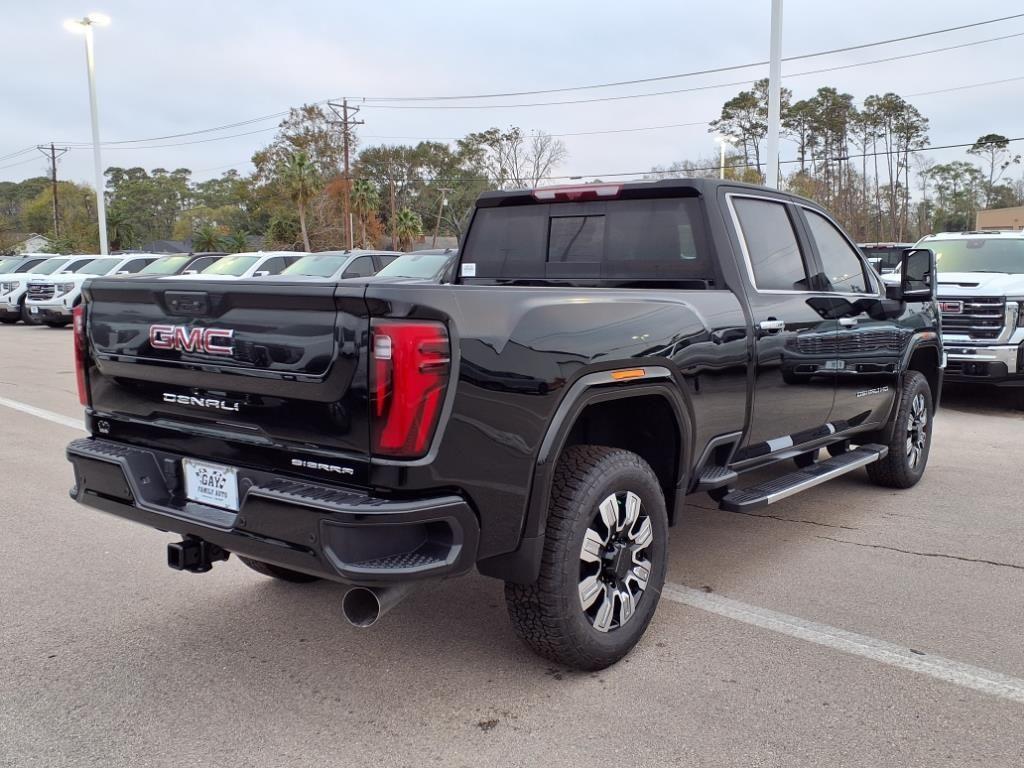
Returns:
(512,159)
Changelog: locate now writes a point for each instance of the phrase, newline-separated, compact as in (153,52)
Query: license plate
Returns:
(33,310)
(211,484)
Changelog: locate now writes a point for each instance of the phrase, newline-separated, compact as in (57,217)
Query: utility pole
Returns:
(51,152)
(347,124)
(774,95)
(394,235)
(440,207)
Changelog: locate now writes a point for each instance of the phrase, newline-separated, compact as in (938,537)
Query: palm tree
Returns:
(408,226)
(300,178)
(365,201)
(120,230)
(236,242)
(206,238)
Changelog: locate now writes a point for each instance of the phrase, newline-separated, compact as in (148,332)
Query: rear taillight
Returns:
(78,323)
(409,366)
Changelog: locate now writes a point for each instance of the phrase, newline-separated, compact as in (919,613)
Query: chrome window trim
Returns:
(746,252)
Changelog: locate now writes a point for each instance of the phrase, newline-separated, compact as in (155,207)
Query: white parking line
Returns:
(42,413)
(964,675)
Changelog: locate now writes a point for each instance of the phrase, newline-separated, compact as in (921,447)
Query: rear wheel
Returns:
(603,564)
(911,438)
(55,323)
(277,572)
(8,320)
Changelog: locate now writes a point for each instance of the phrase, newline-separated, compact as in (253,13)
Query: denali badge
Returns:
(323,467)
(212,341)
(200,402)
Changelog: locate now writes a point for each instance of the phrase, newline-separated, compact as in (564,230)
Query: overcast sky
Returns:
(173,67)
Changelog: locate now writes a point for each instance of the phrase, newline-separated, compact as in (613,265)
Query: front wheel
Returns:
(603,564)
(911,437)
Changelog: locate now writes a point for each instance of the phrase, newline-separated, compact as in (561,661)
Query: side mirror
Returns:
(916,275)
(261,273)
(190,272)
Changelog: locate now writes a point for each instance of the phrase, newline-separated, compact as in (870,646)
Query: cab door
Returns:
(869,342)
(793,380)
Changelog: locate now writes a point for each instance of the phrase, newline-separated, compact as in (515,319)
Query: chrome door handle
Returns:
(848,322)
(772,325)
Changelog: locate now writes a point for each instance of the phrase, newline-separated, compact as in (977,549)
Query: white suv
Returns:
(14,287)
(981,298)
(238,266)
(51,299)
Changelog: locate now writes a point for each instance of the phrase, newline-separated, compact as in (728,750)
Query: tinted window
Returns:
(623,239)
(273,266)
(202,263)
(27,266)
(134,266)
(361,267)
(386,258)
(840,260)
(771,244)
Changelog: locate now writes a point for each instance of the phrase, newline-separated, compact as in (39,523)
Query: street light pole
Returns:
(721,159)
(774,95)
(84,26)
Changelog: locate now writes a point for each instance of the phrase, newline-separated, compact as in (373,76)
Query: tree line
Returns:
(864,161)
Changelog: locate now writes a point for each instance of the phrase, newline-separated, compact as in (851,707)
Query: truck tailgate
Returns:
(258,363)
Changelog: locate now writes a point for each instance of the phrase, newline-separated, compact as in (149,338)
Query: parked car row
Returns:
(42,289)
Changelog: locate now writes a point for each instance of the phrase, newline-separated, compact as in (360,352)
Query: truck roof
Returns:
(634,188)
(977,234)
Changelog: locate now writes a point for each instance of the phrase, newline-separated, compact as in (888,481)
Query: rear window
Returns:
(655,239)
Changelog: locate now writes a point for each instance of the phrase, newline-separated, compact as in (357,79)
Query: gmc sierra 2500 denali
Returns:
(604,351)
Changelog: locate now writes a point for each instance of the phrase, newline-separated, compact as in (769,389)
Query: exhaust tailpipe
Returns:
(362,606)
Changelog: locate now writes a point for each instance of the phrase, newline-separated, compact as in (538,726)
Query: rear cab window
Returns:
(636,239)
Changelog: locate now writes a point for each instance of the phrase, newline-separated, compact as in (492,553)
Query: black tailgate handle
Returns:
(187,302)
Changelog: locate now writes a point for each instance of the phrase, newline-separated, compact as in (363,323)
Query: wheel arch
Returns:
(615,413)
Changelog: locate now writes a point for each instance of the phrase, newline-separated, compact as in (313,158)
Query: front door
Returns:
(794,349)
(869,343)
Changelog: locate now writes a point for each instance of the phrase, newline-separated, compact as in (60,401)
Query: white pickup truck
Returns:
(981,298)
(50,299)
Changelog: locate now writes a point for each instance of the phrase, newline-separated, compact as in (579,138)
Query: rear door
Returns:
(794,385)
(231,368)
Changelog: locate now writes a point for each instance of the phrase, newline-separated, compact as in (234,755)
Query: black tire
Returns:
(550,614)
(8,320)
(55,323)
(277,572)
(911,438)
(806,459)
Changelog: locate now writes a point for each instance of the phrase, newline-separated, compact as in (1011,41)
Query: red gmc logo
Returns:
(212,341)
(951,307)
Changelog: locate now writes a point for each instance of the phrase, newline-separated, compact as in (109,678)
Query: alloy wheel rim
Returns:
(917,430)
(614,569)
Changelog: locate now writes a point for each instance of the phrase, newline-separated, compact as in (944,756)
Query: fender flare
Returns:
(921,340)
(523,564)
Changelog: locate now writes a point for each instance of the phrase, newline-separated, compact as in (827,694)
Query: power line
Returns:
(966,87)
(23,162)
(695,88)
(112,144)
(695,73)
(19,152)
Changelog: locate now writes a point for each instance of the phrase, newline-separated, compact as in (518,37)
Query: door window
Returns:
(134,265)
(361,267)
(771,245)
(273,266)
(843,267)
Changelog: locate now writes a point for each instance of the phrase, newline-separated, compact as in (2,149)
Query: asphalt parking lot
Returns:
(110,658)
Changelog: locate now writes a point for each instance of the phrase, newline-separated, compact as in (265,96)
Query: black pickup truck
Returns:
(604,351)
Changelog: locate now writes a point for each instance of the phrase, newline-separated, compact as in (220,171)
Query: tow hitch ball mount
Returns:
(194,555)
